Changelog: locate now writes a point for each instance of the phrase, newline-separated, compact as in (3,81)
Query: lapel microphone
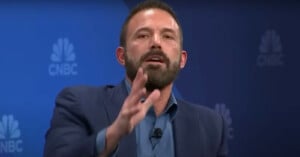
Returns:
(157,133)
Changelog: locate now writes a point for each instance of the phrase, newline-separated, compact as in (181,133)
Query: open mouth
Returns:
(155,59)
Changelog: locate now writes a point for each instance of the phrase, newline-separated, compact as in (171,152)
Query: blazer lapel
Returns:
(114,100)
(187,138)
(113,103)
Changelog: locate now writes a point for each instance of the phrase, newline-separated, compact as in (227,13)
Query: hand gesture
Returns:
(134,109)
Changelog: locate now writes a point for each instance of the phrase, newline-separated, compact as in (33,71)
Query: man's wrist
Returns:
(107,142)
(113,134)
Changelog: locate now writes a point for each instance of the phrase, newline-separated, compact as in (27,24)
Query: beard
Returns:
(158,76)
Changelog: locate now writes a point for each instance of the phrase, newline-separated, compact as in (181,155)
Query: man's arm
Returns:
(68,134)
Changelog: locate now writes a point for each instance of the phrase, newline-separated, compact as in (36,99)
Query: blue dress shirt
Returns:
(147,145)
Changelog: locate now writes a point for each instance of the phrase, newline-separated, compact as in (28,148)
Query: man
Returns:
(140,116)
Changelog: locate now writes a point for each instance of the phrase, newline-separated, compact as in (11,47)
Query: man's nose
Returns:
(156,42)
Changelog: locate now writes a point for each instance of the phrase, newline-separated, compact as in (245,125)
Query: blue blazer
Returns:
(81,112)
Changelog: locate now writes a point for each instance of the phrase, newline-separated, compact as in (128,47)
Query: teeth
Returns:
(155,59)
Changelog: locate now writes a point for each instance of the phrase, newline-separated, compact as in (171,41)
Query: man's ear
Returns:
(120,54)
(183,59)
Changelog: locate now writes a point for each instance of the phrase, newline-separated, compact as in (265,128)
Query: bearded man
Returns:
(141,116)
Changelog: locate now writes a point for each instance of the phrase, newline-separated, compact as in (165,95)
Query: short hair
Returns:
(148,4)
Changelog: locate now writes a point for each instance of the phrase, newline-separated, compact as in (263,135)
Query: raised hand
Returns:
(132,112)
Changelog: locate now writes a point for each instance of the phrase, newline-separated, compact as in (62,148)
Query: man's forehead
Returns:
(141,18)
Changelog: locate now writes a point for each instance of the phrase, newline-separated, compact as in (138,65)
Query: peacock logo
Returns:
(225,113)
(63,59)
(10,135)
(270,50)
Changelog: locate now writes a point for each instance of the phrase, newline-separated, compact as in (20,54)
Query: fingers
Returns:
(139,80)
(131,111)
(151,99)
(144,107)
(138,89)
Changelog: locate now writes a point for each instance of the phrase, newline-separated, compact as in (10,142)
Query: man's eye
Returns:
(143,36)
(168,37)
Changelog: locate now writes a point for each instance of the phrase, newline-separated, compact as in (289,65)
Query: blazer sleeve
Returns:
(68,135)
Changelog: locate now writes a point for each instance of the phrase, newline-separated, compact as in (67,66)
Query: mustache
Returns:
(159,53)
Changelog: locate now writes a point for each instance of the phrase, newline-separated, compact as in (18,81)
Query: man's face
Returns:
(153,43)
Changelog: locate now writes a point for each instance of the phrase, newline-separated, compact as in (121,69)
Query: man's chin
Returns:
(154,71)
(154,67)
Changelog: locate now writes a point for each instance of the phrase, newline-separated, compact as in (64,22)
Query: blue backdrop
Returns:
(242,62)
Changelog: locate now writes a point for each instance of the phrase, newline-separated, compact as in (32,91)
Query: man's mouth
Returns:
(155,59)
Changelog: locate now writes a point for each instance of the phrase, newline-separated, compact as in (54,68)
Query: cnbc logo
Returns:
(10,135)
(63,59)
(225,113)
(270,50)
